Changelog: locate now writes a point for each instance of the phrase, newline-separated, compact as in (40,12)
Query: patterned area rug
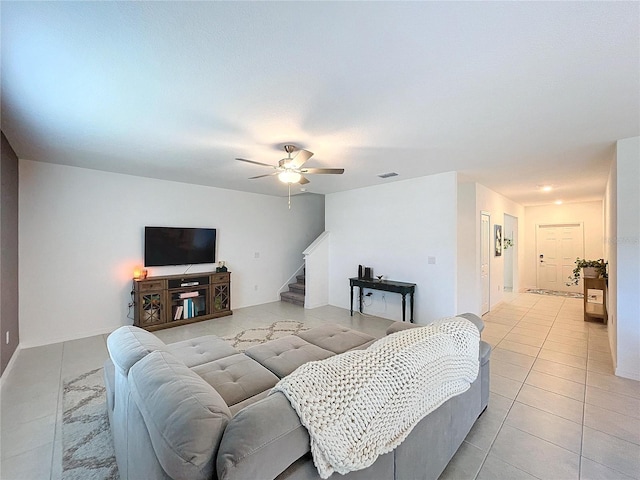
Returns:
(87,446)
(256,336)
(555,293)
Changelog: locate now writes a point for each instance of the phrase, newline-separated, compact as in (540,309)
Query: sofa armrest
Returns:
(399,326)
(475,319)
(262,440)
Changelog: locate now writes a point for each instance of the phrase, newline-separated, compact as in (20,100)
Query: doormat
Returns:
(541,291)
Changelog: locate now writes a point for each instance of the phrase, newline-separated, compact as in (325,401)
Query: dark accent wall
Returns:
(9,252)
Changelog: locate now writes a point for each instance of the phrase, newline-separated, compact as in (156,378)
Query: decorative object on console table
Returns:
(139,273)
(588,269)
(498,239)
(172,300)
(368,273)
(222,267)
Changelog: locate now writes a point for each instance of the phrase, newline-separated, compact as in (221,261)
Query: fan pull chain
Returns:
(289,195)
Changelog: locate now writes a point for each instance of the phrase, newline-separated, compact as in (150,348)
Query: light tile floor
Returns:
(556,409)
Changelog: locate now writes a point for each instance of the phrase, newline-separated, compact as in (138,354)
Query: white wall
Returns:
(497,205)
(610,207)
(469,295)
(395,228)
(474,198)
(627,243)
(588,213)
(316,263)
(81,234)
(510,230)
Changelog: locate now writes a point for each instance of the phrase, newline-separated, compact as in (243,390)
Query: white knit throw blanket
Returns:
(364,403)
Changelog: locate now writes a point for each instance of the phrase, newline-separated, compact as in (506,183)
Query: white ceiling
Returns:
(509,94)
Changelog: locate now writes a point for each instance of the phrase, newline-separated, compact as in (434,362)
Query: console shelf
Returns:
(172,300)
(595,299)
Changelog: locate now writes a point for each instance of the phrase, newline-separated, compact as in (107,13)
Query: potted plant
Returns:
(589,269)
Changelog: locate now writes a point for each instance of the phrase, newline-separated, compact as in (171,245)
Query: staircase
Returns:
(295,294)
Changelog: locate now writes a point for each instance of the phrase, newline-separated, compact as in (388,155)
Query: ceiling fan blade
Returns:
(267,175)
(301,157)
(254,162)
(330,171)
(303,181)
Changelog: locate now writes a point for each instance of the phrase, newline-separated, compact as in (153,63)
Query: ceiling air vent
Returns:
(387,175)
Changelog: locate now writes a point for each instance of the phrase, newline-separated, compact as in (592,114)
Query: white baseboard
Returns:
(627,374)
(67,338)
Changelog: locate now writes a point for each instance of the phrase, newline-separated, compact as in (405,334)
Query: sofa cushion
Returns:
(184,415)
(262,440)
(198,351)
(236,378)
(129,344)
(283,355)
(335,338)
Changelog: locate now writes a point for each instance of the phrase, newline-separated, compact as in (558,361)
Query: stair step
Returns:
(300,279)
(292,297)
(297,288)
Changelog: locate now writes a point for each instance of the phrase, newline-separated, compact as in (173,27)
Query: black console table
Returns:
(387,286)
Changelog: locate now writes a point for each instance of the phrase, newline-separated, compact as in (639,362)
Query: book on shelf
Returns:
(195,293)
(189,309)
(178,314)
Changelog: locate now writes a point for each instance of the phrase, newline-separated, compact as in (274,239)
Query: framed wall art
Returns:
(498,239)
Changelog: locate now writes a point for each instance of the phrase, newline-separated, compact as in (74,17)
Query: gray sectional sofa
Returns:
(199,409)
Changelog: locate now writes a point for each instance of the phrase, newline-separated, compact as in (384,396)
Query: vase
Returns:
(590,272)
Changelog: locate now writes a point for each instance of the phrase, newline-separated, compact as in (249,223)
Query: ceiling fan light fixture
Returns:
(289,176)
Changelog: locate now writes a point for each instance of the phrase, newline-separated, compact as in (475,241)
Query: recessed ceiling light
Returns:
(558,202)
(387,175)
(545,188)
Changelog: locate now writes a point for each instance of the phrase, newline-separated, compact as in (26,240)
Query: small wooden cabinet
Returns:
(595,298)
(168,301)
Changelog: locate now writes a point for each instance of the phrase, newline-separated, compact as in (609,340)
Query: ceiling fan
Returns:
(289,170)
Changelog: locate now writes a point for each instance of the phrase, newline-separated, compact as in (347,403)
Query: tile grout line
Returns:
(508,410)
(555,318)
(590,336)
(58,421)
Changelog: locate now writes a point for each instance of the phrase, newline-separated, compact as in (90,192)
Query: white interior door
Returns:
(485,257)
(558,246)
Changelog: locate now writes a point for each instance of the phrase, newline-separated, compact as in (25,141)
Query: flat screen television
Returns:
(178,246)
